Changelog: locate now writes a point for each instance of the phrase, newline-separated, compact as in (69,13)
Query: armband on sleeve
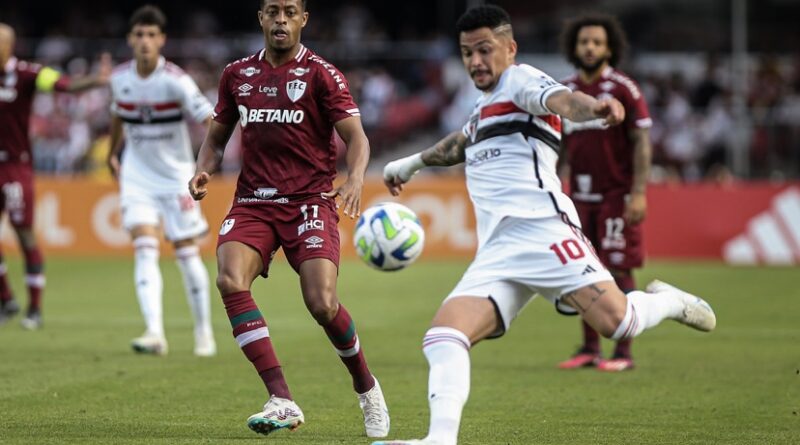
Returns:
(46,79)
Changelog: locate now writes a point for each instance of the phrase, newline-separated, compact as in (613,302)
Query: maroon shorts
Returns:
(16,193)
(618,244)
(305,228)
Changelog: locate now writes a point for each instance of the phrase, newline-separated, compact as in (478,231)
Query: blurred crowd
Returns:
(409,83)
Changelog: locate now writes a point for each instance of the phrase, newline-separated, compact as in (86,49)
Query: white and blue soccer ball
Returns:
(389,236)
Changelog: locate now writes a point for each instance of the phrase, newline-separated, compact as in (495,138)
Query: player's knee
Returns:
(611,321)
(228,284)
(323,307)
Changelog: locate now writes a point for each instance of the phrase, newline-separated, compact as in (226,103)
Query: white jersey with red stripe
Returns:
(158,156)
(512,149)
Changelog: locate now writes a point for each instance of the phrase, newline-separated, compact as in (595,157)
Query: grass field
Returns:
(77,382)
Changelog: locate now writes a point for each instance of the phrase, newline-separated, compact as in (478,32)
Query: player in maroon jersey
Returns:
(608,167)
(19,81)
(288,101)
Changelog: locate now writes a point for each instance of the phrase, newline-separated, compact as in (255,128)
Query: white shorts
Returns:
(523,257)
(180,214)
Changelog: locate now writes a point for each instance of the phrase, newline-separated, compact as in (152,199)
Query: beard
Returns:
(591,68)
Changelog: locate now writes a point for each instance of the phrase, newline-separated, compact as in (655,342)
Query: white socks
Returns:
(149,285)
(447,351)
(195,281)
(645,311)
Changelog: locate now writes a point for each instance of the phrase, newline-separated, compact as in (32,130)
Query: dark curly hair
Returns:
(148,15)
(489,16)
(617,40)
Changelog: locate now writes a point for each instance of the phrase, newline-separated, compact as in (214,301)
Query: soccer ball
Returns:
(389,236)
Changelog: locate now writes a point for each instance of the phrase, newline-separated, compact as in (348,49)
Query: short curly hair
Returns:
(617,40)
(489,16)
(263,2)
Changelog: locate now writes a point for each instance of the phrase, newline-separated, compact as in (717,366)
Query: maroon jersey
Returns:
(286,115)
(601,157)
(17,87)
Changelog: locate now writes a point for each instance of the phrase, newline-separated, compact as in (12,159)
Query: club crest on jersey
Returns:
(147,113)
(227,225)
(250,71)
(295,89)
(299,71)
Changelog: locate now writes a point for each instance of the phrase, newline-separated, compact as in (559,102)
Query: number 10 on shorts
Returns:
(569,248)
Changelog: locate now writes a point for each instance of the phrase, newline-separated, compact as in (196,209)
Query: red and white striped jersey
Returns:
(512,149)
(158,156)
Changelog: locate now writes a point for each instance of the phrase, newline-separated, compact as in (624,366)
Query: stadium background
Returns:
(726,104)
(722,80)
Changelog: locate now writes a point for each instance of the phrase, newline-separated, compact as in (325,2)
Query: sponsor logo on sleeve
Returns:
(265,192)
(250,71)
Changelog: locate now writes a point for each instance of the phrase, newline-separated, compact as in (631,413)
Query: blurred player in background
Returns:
(19,80)
(607,167)
(529,237)
(288,102)
(152,98)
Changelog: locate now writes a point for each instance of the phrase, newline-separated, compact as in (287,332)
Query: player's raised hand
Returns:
(611,110)
(197,185)
(350,195)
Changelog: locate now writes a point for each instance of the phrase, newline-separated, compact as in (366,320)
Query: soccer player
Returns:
(151,100)
(19,81)
(608,167)
(529,237)
(288,101)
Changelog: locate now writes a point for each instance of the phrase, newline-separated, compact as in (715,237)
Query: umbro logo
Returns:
(589,269)
(244,89)
(314,242)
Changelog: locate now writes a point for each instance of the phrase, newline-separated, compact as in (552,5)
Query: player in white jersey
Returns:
(151,100)
(529,238)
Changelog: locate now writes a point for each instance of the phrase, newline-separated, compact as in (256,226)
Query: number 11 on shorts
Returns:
(570,247)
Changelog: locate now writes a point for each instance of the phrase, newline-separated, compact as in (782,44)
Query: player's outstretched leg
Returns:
(696,312)
(195,282)
(8,306)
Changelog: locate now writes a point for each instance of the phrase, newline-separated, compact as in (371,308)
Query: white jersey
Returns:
(512,149)
(158,156)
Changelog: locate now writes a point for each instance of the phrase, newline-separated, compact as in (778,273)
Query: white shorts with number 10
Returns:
(523,257)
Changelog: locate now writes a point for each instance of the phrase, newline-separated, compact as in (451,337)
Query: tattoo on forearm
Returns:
(570,298)
(448,151)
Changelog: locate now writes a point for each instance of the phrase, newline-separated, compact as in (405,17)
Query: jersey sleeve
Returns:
(530,88)
(336,101)
(226,111)
(193,101)
(636,111)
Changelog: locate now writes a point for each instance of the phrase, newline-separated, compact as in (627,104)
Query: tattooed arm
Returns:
(448,151)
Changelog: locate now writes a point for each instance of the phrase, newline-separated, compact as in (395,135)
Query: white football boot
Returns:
(278,413)
(150,343)
(376,413)
(204,345)
(696,312)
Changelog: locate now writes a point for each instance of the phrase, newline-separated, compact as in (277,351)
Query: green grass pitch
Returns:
(77,381)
